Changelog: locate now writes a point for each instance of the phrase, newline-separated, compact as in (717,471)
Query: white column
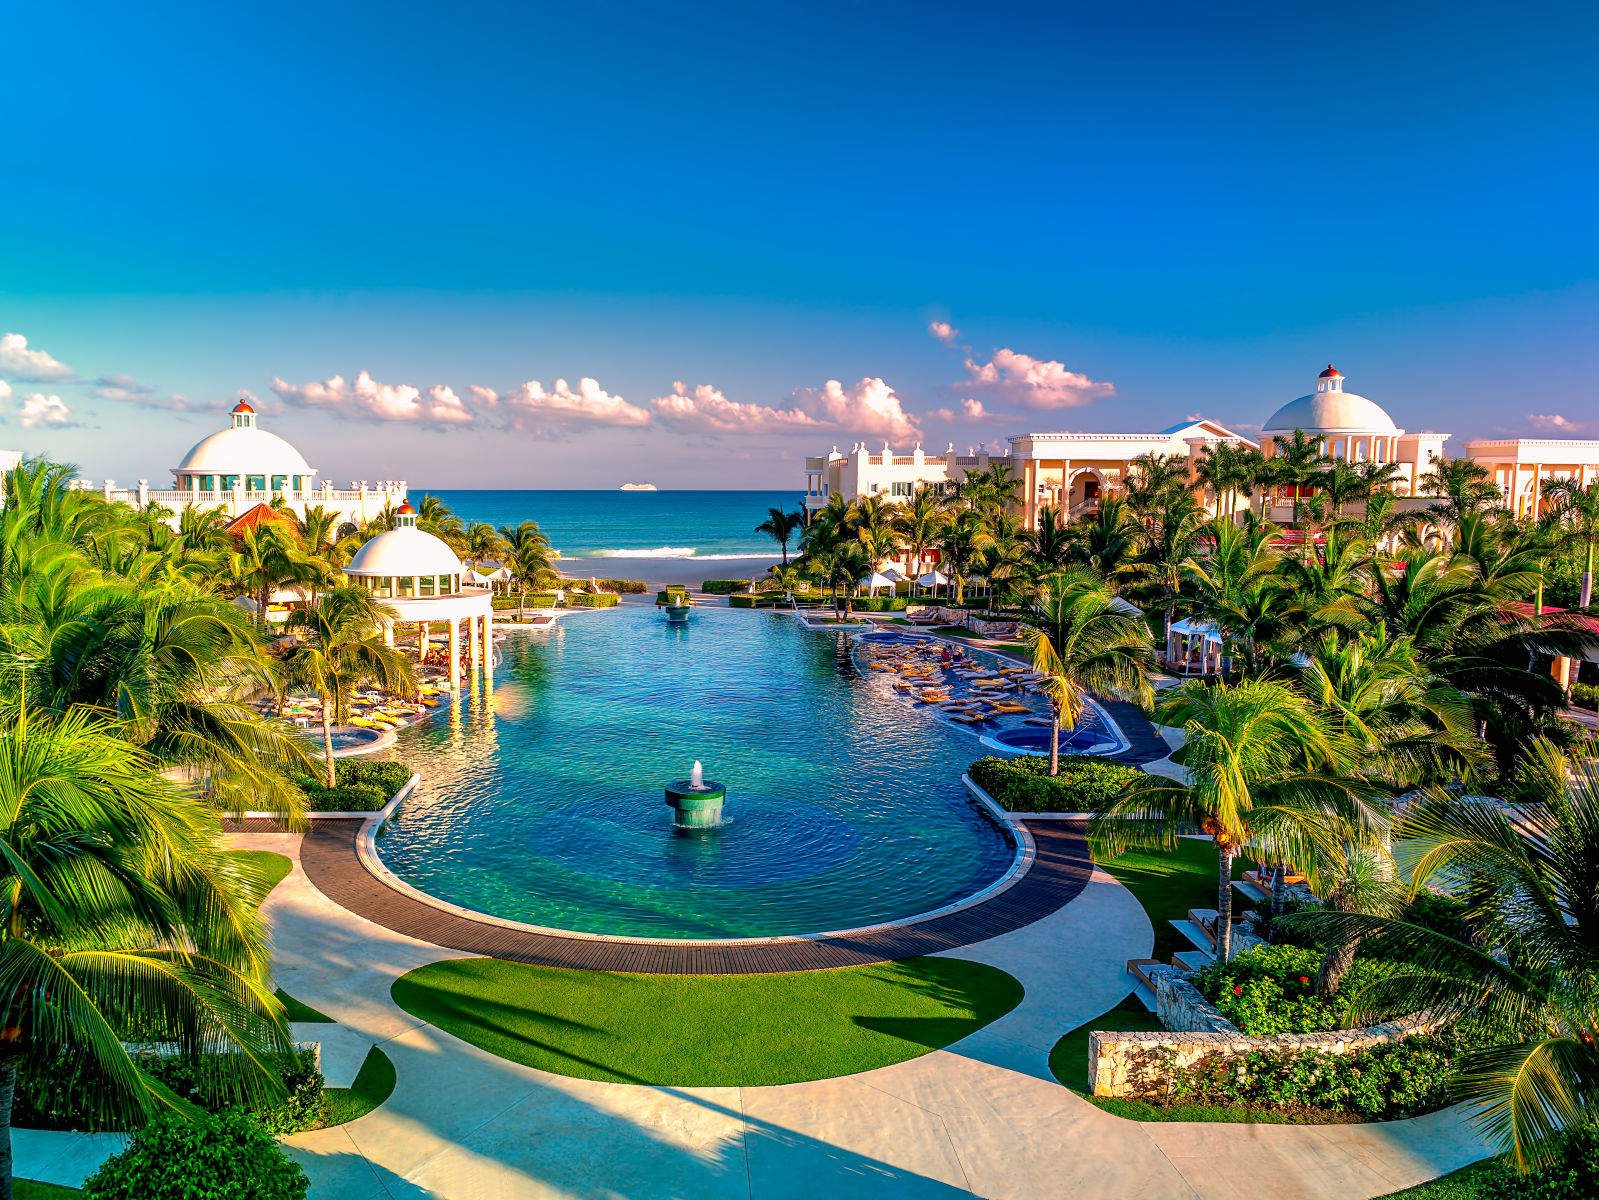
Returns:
(488,647)
(421,642)
(455,654)
(472,643)
(388,634)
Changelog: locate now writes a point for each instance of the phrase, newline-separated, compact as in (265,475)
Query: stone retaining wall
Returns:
(1139,1064)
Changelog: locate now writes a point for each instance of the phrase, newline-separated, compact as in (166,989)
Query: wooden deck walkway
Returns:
(1059,872)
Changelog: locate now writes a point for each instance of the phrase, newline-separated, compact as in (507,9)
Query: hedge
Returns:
(1585,694)
(623,587)
(1023,783)
(724,587)
(220,1157)
(680,592)
(1272,989)
(359,786)
(880,604)
(592,600)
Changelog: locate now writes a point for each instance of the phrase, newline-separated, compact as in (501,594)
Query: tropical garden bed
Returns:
(359,786)
(1023,783)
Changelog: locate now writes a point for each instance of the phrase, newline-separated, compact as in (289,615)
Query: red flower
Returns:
(1304,979)
(1238,991)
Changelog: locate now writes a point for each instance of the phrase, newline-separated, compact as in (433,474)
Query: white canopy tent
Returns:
(876,580)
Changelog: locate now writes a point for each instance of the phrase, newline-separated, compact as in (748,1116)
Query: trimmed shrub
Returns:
(592,600)
(878,604)
(623,587)
(1585,695)
(743,600)
(359,787)
(1024,784)
(223,1157)
(723,587)
(661,597)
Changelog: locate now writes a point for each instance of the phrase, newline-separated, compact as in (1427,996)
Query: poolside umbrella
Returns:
(876,580)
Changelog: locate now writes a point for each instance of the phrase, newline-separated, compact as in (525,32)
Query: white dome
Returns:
(1330,409)
(244,450)
(404,552)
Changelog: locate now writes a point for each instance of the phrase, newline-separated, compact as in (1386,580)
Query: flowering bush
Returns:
(1399,1080)
(1272,989)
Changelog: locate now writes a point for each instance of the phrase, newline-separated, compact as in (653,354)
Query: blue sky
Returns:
(1129,213)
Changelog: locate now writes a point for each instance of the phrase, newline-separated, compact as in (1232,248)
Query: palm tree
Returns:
(781,526)
(434,516)
(1463,487)
(1529,875)
(341,648)
(1263,769)
(1298,462)
(1005,561)
(1085,639)
(1341,482)
(876,528)
(1574,508)
(1051,542)
(121,906)
(921,521)
(267,557)
(483,543)
(960,543)
(1108,541)
(318,528)
(531,559)
(1222,467)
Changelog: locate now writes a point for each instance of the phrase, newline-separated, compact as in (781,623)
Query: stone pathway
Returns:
(981,1118)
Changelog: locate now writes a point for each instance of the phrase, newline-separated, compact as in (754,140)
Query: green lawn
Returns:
(374,1083)
(300,1012)
(27,1189)
(1480,1181)
(1168,884)
(708,1030)
(271,866)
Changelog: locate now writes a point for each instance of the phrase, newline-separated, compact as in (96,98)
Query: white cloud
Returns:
(39,409)
(19,361)
(943,331)
(558,411)
(366,397)
(706,409)
(5,390)
(1555,423)
(970,411)
(124,389)
(1035,383)
(869,408)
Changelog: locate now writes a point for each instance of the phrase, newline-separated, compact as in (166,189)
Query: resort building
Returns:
(244,465)
(1071,471)
(419,577)
(1520,466)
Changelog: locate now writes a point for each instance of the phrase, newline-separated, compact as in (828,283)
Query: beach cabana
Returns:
(933,580)
(1194,647)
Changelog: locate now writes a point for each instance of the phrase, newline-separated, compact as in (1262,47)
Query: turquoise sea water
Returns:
(586,524)
(542,803)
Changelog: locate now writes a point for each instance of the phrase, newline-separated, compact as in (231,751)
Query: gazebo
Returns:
(1194,647)
(421,578)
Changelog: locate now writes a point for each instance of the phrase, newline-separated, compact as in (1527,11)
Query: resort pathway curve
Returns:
(982,1117)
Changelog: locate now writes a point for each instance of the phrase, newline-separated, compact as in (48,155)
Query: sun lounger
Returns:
(1010,706)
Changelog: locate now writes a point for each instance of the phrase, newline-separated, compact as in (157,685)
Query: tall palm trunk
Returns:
(1279,889)
(1225,852)
(327,747)
(8,1091)
(1054,740)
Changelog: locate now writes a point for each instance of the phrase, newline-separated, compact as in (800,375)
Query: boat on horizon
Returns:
(638,487)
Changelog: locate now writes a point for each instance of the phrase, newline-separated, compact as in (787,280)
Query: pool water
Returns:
(542,802)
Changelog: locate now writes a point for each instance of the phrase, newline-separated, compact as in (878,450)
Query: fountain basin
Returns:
(696,807)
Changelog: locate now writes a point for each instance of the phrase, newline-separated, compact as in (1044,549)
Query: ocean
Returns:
(661,537)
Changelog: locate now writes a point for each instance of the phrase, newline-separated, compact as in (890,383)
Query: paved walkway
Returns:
(980,1118)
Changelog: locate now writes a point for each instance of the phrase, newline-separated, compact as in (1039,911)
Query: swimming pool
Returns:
(542,802)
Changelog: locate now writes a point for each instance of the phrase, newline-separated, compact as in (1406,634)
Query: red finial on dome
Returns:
(405,510)
(1331,372)
(243,406)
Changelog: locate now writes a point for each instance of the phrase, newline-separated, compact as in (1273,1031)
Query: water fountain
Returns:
(696,803)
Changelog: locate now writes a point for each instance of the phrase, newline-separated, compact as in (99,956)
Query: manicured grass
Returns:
(1168,884)
(374,1083)
(27,1189)
(1068,1060)
(300,1012)
(708,1030)
(1480,1181)
(271,866)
